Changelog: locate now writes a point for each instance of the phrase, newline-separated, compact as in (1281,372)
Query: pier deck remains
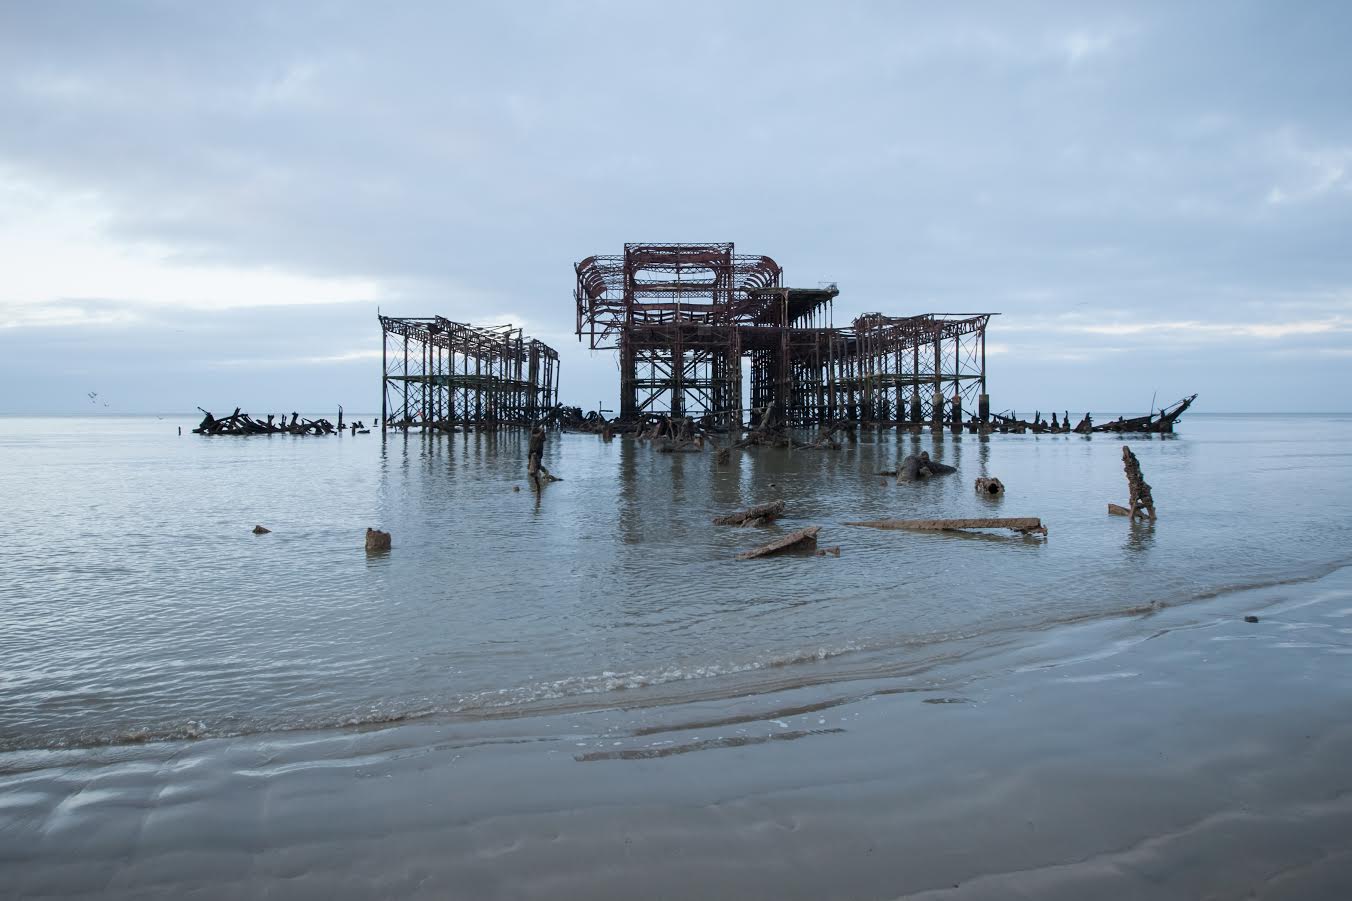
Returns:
(684,317)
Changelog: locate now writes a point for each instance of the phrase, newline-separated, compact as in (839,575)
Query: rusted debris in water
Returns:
(915,467)
(673,435)
(1118,510)
(990,486)
(769,432)
(377,540)
(829,551)
(260,530)
(1024,524)
(801,540)
(1159,422)
(240,423)
(1141,501)
(758,515)
(535,469)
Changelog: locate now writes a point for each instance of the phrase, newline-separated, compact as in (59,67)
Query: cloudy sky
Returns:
(205,203)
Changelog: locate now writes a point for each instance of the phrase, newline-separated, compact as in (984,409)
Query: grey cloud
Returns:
(1156,161)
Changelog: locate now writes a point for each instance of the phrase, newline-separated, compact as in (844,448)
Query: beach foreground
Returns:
(1183,753)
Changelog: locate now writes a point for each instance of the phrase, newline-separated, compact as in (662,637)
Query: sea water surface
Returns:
(137,605)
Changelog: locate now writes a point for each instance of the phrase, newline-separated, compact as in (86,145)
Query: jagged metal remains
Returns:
(438,373)
(684,317)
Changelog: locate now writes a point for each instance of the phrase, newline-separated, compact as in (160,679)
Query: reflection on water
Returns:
(140,605)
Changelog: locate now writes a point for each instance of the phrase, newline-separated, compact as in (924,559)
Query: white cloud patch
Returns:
(1080,46)
(1188,328)
(57,254)
(352,356)
(1308,170)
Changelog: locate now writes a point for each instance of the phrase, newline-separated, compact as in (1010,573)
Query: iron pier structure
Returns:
(438,374)
(685,317)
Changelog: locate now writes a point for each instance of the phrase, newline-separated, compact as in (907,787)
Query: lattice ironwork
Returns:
(684,316)
(437,373)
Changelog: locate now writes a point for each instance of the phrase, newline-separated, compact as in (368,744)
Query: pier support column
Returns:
(915,408)
(956,425)
(983,407)
(937,416)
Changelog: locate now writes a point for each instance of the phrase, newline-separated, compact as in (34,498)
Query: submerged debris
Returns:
(915,467)
(539,475)
(377,540)
(758,515)
(1024,524)
(260,530)
(801,540)
(1142,503)
(990,486)
(238,423)
(771,433)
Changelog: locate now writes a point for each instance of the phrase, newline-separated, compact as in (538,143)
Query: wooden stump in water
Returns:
(990,486)
(377,540)
(535,469)
(1142,503)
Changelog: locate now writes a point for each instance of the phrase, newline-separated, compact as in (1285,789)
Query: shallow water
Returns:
(137,604)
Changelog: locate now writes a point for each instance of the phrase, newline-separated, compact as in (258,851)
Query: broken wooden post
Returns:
(801,540)
(535,469)
(1024,524)
(1142,503)
(1118,510)
(990,486)
(752,516)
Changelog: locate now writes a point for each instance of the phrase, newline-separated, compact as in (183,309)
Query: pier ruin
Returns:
(688,319)
(439,374)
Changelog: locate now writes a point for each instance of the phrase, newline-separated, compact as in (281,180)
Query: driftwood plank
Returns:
(751,515)
(1017,523)
(803,539)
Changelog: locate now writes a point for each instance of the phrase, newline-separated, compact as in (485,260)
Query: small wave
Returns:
(643,688)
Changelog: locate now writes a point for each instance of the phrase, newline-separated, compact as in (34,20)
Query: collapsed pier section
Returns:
(437,374)
(684,318)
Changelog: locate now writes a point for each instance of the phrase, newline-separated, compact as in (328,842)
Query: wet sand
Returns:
(1180,754)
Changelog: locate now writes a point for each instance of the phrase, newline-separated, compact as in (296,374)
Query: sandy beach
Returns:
(1183,753)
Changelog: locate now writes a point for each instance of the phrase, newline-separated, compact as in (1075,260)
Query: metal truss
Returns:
(437,373)
(684,316)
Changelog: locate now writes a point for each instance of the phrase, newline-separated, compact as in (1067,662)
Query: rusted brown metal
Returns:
(684,317)
(439,374)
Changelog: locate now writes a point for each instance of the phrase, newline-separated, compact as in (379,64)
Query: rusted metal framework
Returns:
(684,316)
(437,373)
(916,369)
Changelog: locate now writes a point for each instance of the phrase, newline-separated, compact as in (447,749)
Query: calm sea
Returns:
(137,604)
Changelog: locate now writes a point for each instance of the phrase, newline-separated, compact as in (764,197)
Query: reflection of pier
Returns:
(684,317)
(438,374)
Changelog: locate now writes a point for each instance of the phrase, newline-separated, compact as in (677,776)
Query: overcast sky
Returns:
(205,203)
